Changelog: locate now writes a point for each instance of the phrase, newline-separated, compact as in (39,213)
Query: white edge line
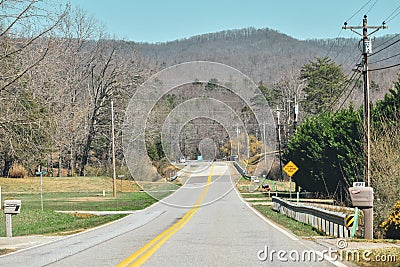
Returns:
(158,202)
(283,231)
(81,233)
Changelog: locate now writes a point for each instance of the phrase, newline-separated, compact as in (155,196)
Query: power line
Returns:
(387,41)
(358,57)
(385,59)
(372,7)
(386,47)
(394,16)
(384,68)
(359,10)
(341,50)
(348,95)
(347,84)
(333,44)
(389,18)
(336,39)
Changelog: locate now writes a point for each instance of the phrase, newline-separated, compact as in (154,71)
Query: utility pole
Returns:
(367,49)
(296,114)
(41,187)
(113,150)
(238,142)
(278,116)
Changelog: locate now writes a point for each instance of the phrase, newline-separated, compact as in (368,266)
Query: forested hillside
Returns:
(270,56)
(57,80)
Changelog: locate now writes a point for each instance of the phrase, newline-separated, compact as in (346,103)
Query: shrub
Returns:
(385,174)
(17,171)
(392,224)
(328,150)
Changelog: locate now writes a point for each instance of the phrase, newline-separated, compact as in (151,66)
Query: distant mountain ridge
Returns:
(265,54)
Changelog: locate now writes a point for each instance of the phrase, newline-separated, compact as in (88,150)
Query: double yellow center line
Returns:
(142,255)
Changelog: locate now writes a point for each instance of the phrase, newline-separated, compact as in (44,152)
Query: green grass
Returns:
(33,222)
(72,194)
(256,201)
(297,228)
(281,186)
(5,251)
(249,195)
(85,201)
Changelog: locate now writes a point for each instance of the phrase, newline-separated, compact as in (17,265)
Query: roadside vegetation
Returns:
(297,228)
(37,222)
(72,194)
(328,146)
(59,71)
(383,257)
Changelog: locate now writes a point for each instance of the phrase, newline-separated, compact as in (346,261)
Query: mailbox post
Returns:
(363,198)
(11,207)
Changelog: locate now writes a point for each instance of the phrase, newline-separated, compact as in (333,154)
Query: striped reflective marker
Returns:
(349,221)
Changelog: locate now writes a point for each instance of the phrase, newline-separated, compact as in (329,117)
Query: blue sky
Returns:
(166,20)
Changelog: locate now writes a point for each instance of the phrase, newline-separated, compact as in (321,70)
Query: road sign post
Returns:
(290,169)
(40,173)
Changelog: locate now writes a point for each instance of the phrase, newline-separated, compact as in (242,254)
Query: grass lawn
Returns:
(70,201)
(252,195)
(34,222)
(297,228)
(66,184)
(282,186)
(72,194)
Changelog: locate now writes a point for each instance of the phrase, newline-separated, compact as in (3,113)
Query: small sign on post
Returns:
(290,169)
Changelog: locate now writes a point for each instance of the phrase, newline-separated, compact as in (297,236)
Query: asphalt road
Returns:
(204,223)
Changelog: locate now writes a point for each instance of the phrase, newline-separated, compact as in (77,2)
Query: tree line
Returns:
(58,72)
(328,143)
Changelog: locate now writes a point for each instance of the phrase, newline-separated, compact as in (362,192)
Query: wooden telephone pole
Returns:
(367,49)
(113,150)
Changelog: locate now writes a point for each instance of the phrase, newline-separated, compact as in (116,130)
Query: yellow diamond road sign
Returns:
(290,168)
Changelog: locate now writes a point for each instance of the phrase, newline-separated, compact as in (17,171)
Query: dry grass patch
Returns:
(65,184)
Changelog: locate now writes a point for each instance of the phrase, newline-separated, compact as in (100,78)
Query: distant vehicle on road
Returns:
(254,179)
(234,158)
(182,160)
(266,187)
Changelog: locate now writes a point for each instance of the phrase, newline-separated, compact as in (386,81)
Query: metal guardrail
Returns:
(330,222)
(172,178)
(241,170)
(179,173)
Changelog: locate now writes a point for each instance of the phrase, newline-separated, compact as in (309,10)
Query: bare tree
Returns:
(26,36)
(23,25)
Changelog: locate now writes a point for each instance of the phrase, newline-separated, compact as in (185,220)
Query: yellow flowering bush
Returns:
(392,224)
